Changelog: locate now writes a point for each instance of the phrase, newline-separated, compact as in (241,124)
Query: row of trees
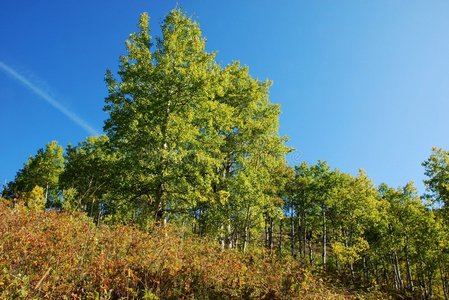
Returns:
(195,144)
(379,236)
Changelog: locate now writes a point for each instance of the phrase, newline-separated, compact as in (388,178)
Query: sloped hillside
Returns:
(60,255)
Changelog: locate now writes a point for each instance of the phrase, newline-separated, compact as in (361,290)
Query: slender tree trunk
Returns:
(398,267)
(229,236)
(409,269)
(365,269)
(270,233)
(281,222)
(305,235)
(223,239)
(302,232)
(245,239)
(292,235)
(46,194)
(324,254)
(266,233)
(160,206)
(309,244)
(395,276)
(245,234)
(397,272)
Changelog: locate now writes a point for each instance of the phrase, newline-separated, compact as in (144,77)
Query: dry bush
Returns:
(65,256)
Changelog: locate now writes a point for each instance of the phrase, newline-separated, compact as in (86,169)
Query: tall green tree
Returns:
(253,172)
(195,140)
(157,116)
(437,171)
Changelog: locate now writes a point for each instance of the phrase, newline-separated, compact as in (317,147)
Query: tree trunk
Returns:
(302,237)
(266,233)
(270,233)
(324,254)
(398,268)
(309,244)
(229,236)
(245,234)
(409,269)
(397,272)
(160,206)
(292,235)
(223,239)
(245,239)
(280,235)
(365,269)
(305,234)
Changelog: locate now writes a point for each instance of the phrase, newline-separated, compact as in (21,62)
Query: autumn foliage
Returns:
(60,255)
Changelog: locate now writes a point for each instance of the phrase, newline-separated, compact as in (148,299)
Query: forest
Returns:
(188,194)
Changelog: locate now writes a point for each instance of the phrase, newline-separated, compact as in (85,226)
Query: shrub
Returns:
(64,255)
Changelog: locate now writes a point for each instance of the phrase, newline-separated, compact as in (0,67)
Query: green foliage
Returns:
(71,203)
(42,170)
(87,176)
(437,169)
(197,142)
(375,237)
(160,117)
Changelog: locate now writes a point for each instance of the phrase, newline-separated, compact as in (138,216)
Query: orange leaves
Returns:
(59,255)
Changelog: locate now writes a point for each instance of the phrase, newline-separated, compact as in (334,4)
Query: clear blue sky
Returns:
(362,84)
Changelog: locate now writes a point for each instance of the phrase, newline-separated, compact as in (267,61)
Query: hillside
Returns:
(59,255)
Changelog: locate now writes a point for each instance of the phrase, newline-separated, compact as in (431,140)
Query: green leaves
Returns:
(88,176)
(437,169)
(191,134)
(42,170)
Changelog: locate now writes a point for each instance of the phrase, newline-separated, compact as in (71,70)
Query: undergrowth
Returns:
(61,255)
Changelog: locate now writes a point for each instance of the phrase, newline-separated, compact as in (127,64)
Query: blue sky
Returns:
(362,84)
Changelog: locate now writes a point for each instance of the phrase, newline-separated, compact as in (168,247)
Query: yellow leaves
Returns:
(223,197)
(36,198)
(350,254)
